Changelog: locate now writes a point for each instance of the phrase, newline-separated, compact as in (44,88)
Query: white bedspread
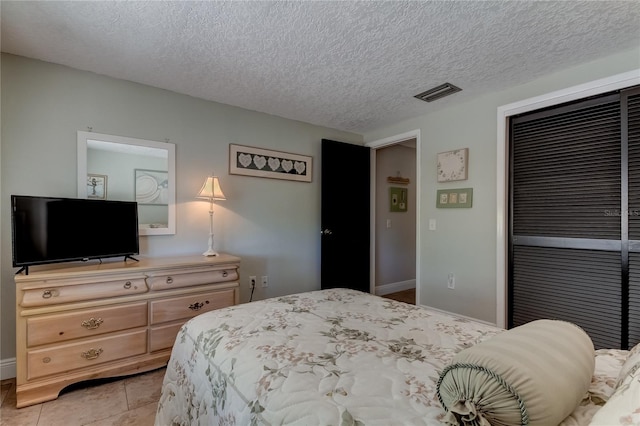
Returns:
(331,357)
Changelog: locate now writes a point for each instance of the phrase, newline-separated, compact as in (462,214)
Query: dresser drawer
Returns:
(85,323)
(43,296)
(88,353)
(185,307)
(163,336)
(168,280)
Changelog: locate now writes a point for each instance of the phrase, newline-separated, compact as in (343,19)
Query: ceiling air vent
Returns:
(438,92)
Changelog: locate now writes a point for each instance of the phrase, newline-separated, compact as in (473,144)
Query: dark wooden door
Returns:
(345,229)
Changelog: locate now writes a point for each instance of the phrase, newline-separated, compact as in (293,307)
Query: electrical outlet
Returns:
(265,281)
(451,280)
(252,281)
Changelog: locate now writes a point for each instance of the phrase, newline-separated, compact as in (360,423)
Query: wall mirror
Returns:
(128,169)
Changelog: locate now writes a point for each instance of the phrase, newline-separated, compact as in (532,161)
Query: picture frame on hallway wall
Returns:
(398,199)
(266,163)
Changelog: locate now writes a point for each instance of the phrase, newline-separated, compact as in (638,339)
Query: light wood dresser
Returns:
(92,320)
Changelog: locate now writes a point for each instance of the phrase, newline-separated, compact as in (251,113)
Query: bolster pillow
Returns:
(534,374)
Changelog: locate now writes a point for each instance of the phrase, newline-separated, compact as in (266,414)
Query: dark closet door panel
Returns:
(634,299)
(580,286)
(633,133)
(566,172)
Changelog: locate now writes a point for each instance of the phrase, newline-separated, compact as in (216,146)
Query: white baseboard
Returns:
(7,368)
(381,290)
(458,315)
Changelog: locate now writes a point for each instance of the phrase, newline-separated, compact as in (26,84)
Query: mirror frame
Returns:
(83,137)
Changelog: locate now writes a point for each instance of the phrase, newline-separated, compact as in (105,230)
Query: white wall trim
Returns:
(381,290)
(457,315)
(381,143)
(596,87)
(392,140)
(7,368)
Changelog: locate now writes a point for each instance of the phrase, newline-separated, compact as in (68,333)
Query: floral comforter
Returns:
(329,357)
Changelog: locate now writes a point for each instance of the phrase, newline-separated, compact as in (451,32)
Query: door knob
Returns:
(326,232)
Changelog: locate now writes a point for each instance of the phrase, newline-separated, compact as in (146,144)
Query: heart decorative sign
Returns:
(260,162)
(287,165)
(244,159)
(274,163)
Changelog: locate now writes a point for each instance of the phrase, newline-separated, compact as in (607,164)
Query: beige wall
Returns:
(272,224)
(465,240)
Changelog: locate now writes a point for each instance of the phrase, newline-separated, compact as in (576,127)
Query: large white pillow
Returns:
(535,374)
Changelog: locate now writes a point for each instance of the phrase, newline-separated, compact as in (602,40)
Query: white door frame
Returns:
(375,145)
(604,85)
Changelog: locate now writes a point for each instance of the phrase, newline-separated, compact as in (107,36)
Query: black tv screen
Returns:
(50,229)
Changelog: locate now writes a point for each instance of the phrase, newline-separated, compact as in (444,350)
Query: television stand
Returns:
(25,269)
(130,257)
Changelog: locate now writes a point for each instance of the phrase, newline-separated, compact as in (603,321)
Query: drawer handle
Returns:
(225,273)
(91,354)
(127,285)
(92,323)
(169,280)
(48,294)
(198,305)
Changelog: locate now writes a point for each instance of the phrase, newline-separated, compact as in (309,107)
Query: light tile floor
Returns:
(129,401)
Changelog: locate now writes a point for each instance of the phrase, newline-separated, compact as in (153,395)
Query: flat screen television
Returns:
(50,229)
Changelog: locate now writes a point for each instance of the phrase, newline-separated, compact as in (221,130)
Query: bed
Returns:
(333,357)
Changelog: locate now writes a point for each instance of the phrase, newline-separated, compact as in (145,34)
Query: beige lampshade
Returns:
(211,189)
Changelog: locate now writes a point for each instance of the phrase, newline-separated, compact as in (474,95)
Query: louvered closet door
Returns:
(565,218)
(631,102)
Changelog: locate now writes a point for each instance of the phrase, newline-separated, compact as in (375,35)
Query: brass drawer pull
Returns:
(91,354)
(127,285)
(225,274)
(169,280)
(47,294)
(198,305)
(92,323)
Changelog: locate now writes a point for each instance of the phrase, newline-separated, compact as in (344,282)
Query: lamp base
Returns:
(210,252)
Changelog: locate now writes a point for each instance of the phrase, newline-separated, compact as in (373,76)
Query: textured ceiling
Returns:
(348,65)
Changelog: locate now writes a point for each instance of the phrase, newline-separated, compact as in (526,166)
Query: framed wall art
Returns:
(151,186)
(259,162)
(397,199)
(454,198)
(453,165)
(96,186)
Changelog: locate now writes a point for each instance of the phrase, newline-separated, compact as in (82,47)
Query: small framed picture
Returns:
(151,187)
(397,199)
(461,198)
(96,186)
(453,165)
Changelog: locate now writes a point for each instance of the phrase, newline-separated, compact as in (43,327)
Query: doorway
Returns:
(395,222)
